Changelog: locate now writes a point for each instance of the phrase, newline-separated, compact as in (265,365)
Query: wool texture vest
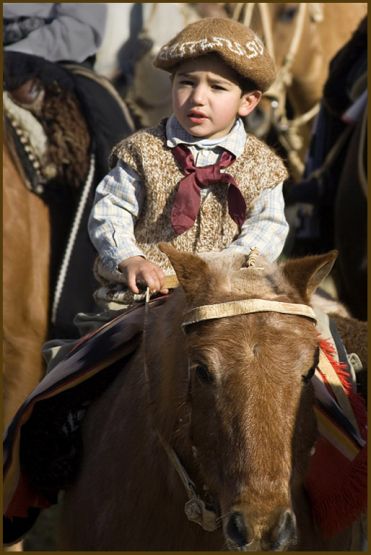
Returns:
(257,169)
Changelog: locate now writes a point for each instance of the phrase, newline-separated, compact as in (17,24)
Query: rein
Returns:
(195,508)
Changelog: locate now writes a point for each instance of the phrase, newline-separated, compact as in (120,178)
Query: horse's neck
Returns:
(125,414)
(164,363)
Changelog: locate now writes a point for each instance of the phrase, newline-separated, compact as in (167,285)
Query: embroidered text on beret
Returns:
(237,44)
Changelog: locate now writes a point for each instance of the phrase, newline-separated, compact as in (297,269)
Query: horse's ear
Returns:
(190,269)
(305,274)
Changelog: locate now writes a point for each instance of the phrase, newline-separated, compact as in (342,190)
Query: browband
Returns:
(247,306)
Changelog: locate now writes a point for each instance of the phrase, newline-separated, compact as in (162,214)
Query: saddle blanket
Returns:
(42,441)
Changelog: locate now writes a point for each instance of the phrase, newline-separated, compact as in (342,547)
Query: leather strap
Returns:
(248,306)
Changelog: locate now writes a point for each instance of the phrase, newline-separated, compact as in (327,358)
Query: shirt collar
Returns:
(234,142)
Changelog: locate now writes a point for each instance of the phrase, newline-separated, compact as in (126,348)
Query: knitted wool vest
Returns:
(257,169)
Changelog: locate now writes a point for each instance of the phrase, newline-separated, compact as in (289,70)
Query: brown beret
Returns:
(238,46)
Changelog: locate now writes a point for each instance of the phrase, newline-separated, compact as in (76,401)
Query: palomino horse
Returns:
(302,38)
(26,238)
(215,411)
(28,234)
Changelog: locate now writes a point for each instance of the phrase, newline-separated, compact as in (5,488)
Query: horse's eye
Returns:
(28,92)
(287,14)
(203,374)
(309,375)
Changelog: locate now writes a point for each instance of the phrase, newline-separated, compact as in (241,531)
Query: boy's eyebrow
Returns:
(212,79)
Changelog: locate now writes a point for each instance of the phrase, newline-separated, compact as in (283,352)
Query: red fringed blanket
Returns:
(337,477)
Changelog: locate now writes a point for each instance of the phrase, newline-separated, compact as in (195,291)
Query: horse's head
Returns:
(239,388)
(43,107)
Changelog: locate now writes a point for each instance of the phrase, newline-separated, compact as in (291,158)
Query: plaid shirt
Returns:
(119,198)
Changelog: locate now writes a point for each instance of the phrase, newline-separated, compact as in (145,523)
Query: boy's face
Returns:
(207,98)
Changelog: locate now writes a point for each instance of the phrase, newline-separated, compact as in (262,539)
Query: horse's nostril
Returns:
(284,531)
(237,530)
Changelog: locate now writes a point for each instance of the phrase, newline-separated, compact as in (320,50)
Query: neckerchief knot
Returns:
(188,199)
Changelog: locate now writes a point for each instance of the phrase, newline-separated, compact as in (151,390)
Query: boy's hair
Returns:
(246,85)
(238,46)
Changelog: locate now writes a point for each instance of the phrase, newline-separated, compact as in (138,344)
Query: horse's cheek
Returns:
(204,420)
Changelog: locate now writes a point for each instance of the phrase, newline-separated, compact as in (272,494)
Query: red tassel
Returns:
(357,402)
(337,487)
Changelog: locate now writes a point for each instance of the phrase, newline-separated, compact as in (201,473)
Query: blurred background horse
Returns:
(26,248)
(56,151)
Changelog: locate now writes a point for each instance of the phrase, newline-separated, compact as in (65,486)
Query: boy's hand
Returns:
(138,269)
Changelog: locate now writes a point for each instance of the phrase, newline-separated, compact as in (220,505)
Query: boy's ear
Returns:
(248,102)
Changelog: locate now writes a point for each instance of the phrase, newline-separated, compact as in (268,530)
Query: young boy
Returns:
(197,180)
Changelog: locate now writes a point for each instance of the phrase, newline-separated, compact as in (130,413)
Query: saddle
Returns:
(62,397)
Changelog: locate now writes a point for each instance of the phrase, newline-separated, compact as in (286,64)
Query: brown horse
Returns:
(302,38)
(213,408)
(26,236)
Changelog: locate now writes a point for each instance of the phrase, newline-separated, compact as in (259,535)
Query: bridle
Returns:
(247,306)
(195,508)
(287,129)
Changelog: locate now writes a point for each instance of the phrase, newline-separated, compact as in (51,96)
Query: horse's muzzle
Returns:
(241,536)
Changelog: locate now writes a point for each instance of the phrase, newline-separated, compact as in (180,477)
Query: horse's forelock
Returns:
(231,278)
